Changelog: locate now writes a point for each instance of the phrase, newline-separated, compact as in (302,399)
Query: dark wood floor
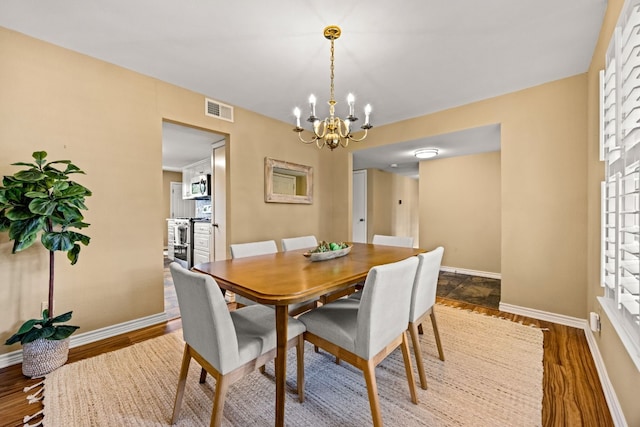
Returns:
(572,392)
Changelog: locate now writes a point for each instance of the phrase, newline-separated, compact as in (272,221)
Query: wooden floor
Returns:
(572,392)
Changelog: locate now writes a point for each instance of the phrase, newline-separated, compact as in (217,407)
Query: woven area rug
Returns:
(492,376)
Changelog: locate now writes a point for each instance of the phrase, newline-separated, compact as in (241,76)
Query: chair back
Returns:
(206,322)
(402,241)
(384,308)
(241,250)
(426,283)
(302,242)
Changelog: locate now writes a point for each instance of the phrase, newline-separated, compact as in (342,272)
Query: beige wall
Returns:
(620,368)
(543,187)
(384,214)
(167,178)
(379,198)
(404,217)
(460,210)
(108,120)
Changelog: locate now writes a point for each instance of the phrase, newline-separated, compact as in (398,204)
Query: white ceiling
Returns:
(182,145)
(406,58)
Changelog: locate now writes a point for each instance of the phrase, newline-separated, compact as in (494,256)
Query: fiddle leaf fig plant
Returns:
(41,201)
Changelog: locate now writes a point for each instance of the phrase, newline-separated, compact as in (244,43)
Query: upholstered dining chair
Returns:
(302,242)
(364,333)
(227,344)
(423,299)
(381,239)
(403,241)
(242,250)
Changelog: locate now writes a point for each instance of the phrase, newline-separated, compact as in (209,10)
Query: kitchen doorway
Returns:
(189,153)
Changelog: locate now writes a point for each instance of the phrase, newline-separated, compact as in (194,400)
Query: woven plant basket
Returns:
(43,356)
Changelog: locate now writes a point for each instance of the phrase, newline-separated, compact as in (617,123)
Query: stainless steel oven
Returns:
(182,244)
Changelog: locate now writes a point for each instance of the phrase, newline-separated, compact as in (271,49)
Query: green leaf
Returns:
(61,318)
(70,213)
(13,339)
(60,185)
(79,237)
(71,168)
(36,195)
(31,175)
(63,331)
(23,228)
(23,243)
(73,254)
(19,213)
(5,223)
(28,325)
(31,336)
(74,190)
(40,157)
(31,165)
(43,206)
(57,241)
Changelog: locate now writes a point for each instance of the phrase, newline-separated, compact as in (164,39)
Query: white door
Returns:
(219,234)
(181,208)
(359,218)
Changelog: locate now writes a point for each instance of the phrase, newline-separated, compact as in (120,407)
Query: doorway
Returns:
(184,146)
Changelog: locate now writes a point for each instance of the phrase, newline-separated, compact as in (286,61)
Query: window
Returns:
(620,150)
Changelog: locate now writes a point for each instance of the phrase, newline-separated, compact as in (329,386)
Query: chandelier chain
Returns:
(332,131)
(332,74)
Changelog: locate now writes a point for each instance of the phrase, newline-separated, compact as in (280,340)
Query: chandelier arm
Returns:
(310,141)
(350,137)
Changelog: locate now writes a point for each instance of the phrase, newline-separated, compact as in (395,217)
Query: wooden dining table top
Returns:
(285,278)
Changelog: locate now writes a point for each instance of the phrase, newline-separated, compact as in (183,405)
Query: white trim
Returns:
(609,393)
(15,357)
(607,387)
(560,319)
(614,315)
(478,273)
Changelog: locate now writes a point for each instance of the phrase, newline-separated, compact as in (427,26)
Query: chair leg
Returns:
(222,385)
(300,367)
(372,390)
(437,334)
(182,381)
(415,340)
(420,330)
(263,369)
(408,368)
(203,376)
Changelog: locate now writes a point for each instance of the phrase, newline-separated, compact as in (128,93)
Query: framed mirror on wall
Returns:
(286,182)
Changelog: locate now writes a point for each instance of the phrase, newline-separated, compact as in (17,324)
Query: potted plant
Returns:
(42,201)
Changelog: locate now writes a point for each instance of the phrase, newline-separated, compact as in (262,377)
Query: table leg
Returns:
(282,319)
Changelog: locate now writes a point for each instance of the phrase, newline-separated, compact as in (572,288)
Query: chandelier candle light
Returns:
(332,131)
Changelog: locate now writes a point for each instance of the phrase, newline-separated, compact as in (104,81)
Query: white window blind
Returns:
(620,149)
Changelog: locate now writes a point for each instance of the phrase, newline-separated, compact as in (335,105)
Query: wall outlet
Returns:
(45,305)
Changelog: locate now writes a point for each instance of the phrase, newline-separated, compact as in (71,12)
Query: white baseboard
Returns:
(15,357)
(468,272)
(574,322)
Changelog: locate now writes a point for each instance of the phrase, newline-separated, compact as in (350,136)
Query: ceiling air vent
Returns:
(218,109)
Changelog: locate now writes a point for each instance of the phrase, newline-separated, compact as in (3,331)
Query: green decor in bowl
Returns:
(326,251)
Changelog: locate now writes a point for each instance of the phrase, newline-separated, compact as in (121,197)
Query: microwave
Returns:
(201,187)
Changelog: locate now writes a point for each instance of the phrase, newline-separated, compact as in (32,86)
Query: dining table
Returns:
(285,278)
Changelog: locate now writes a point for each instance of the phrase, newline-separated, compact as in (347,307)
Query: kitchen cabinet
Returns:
(203,167)
(201,242)
(171,226)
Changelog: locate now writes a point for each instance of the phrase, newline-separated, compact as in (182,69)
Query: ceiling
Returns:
(407,61)
(182,145)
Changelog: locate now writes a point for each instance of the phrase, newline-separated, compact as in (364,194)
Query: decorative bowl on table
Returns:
(326,251)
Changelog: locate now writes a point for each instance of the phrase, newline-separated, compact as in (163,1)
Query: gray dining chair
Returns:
(381,239)
(423,299)
(402,241)
(364,333)
(302,242)
(242,250)
(227,344)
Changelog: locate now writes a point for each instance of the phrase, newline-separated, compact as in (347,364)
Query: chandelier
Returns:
(332,131)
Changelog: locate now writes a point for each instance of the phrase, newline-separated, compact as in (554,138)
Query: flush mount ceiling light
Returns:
(427,153)
(332,131)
